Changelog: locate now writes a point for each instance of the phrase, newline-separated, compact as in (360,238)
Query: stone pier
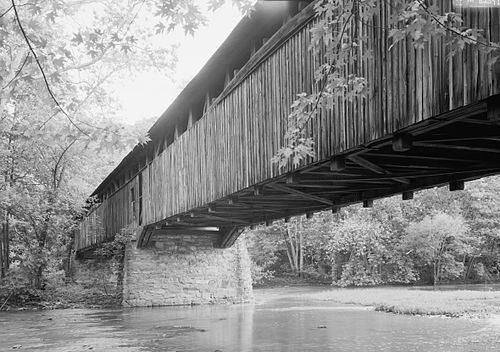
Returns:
(186,269)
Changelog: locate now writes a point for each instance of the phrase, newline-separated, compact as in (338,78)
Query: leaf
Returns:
(55,77)
(51,17)
(160,28)
(59,62)
(77,38)
(35,9)
(125,48)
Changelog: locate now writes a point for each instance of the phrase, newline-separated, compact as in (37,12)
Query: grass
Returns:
(401,300)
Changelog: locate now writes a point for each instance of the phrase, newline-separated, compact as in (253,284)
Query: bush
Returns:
(16,290)
(259,274)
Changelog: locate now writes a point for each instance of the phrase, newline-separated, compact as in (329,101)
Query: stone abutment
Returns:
(186,269)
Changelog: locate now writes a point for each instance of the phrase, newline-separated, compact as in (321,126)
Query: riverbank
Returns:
(68,296)
(414,301)
(451,301)
(277,322)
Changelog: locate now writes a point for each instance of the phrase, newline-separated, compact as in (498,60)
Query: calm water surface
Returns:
(277,322)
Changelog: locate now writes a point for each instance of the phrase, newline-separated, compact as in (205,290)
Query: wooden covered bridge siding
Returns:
(227,153)
(108,218)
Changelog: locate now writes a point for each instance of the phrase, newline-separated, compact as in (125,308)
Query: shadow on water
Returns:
(278,321)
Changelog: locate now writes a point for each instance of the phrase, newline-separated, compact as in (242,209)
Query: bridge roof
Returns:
(234,52)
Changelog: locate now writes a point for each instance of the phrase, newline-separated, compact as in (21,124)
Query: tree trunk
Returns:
(38,278)
(290,251)
(294,253)
(437,262)
(468,268)
(434,275)
(5,229)
(301,254)
(42,241)
(4,247)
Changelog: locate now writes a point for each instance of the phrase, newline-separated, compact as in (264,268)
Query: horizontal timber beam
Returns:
(299,193)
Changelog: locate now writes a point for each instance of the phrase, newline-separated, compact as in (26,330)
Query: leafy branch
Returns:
(47,85)
(18,72)
(306,107)
(59,107)
(409,19)
(467,38)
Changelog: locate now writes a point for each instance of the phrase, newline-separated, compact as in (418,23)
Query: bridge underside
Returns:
(461,145)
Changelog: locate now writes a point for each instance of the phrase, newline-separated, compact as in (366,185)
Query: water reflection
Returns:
(278,322)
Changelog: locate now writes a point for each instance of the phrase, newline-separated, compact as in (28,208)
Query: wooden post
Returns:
(309,215)
(493,108)
(158,151)
(176,133)
(207,103)
(190,119)
(292,178)
(258,190)
(232,200)
(407,195)
(368,203)
(227,79)
(212,208)
(335,209)
(457,185)
(402,142)
(287,219)
(337,163)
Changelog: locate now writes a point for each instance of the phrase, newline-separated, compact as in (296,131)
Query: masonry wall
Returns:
(186,269)
(101,279)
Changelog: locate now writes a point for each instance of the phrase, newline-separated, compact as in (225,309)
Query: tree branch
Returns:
(424,7)
(18,20)
(6,11)
(56,166)
(18,71)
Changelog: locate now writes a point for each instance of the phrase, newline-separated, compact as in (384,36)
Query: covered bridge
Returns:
(427,120)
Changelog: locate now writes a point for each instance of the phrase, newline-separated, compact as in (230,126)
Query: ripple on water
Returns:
(278,324)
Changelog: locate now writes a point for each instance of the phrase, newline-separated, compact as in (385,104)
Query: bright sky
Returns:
(150,94)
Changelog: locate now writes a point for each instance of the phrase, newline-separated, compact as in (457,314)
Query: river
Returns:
(278,321)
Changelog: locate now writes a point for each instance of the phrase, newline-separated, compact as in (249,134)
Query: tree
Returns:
(365,251)
(482,214)
(439,242)
(290,237)
(299,244)
(60,133)
(439,235)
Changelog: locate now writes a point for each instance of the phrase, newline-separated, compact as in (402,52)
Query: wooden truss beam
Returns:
(375,168)
(229,235)
(301,194)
